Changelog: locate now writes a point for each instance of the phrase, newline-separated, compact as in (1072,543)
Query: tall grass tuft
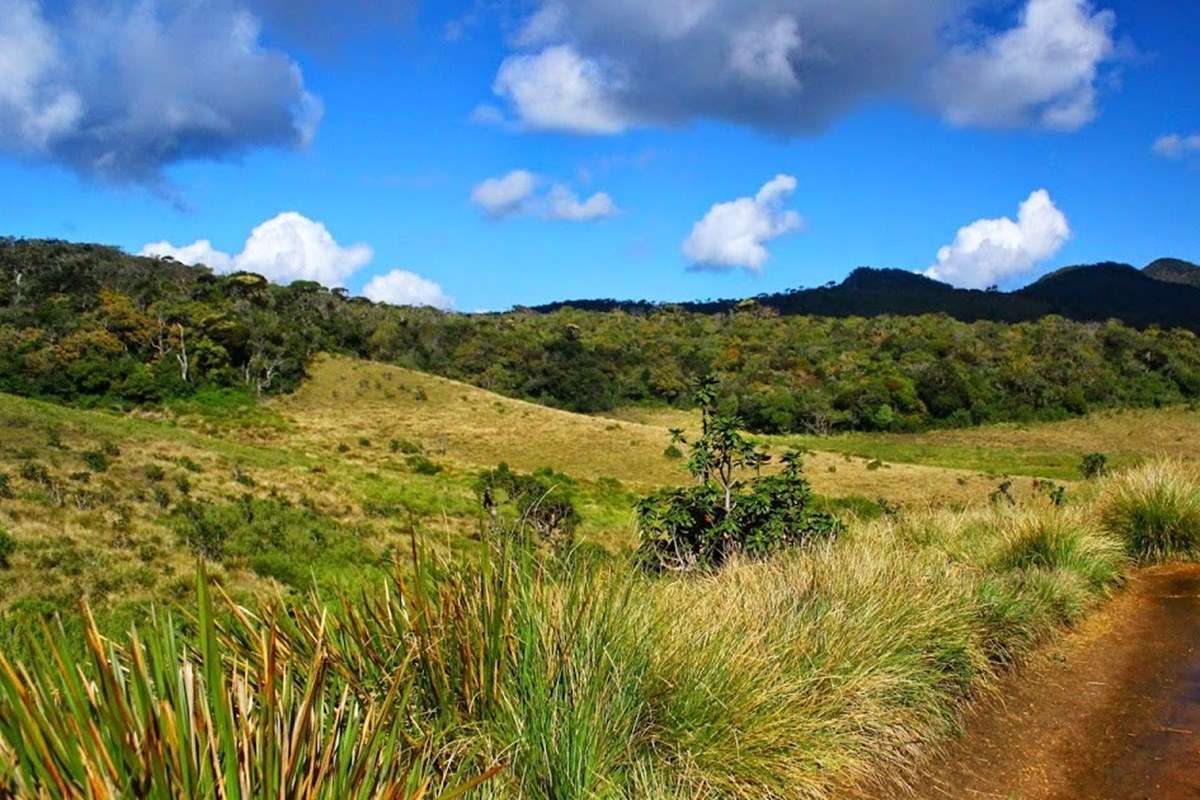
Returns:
(168,717)
(1155,510)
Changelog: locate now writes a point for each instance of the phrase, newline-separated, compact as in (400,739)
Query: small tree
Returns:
(732,508)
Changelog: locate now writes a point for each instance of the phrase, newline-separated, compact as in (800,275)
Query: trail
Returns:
(1112,713)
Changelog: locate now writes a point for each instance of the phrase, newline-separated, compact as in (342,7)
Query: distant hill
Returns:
(1084,292)
(1174,270)
(1106,291)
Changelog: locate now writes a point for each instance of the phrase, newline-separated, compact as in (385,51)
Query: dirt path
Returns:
(1112,713)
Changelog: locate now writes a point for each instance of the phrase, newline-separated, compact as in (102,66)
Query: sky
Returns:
(479,154)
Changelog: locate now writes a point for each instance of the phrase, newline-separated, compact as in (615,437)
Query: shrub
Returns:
(343,447)
(95,460)
(37,473)
(672,452)
(200,531)
(702,526)
(403,446)
(188,464)
(422,465)
(110,449)
(1093,465)
(162,497)
(539,503)
(6,491)
(1155,510)
(8,546)
(363,441)
(154,472)
(1054,492)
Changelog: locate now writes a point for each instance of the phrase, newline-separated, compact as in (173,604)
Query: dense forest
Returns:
(89,324)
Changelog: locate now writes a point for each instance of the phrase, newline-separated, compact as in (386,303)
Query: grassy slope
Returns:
(1045,450)
(111,538)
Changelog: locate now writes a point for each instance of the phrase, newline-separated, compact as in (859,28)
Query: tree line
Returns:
(90,324)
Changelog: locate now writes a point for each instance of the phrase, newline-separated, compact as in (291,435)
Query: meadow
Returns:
(803,676)
(368,455)
(359,629)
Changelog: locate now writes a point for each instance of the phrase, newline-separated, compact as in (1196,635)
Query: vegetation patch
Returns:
(1155,510)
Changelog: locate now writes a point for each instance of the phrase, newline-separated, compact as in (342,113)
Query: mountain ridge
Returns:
(1082,292)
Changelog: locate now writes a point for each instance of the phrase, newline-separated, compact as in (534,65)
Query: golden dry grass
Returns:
(472,428)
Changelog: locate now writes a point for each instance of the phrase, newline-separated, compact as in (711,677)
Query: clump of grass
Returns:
(165,716)
(1060,539)
(1155,510)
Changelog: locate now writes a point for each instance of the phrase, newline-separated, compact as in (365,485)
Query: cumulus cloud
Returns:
(518,194)
(1042,72)
(285,248)
(991,250)
(292,247)
(735,234)
(794,66)
(119,91)
(200,251)
(1177,146)
(402,288)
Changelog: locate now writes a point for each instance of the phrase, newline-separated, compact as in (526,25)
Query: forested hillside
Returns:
(1085,293)
(89,324)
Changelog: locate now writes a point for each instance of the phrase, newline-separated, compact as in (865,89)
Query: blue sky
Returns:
(931,139)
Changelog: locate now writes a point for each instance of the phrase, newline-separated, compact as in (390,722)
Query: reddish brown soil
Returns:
(1111,713)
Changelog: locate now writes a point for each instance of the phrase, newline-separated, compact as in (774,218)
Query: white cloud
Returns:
(285,248)
(991,250)
(504,196)
(402,288)
(560,90)
(292,247)
(120,90)
(795,66)
(1176,146)
(562,203)
(735,234)
(517,194)
(1042,72)
(200,251)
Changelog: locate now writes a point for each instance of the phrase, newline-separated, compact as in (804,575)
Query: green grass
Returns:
(1155,509)
(579,677)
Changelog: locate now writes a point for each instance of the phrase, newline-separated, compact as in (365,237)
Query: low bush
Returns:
(1093,465)
(95,460)
(8,546)
(1155,510)
(540,504)
(422,465)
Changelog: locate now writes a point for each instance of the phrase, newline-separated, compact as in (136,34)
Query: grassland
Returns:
(1051,450)
(796,678)
(793,678)
(370,455)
